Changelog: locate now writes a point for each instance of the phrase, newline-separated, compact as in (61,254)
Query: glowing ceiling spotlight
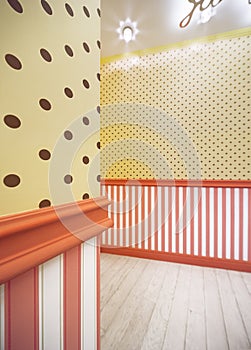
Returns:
(127,30)
(206,15)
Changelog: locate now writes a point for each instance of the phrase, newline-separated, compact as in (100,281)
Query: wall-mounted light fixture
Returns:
(204,5)
(127,30)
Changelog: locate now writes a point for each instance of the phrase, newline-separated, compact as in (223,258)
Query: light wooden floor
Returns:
(155,305)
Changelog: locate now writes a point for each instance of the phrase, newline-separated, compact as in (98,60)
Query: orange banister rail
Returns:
(30,238)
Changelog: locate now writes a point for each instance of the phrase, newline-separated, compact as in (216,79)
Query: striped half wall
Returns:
(198,222)
(54,306)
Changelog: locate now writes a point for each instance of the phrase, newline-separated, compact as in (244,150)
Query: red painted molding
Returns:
(31,238)
(178,183)
(181,258)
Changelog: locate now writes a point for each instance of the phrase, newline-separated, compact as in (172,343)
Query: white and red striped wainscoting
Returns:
(198,222)
(54,306)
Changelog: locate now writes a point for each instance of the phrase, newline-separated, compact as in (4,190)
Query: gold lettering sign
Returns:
(203,5)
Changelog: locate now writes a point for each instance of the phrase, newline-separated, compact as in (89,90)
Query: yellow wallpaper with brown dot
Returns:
(49,93)
(201,88)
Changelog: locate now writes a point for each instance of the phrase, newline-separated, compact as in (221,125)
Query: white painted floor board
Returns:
(154,305)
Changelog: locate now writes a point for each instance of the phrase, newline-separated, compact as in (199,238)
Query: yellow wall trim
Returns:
(211,38)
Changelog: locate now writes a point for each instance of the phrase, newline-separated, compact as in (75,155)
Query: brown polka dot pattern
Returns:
(16,5)
(69,10)
(205,87)
(46,55)
(99,44)
(68,135)
(47,8)
(99,12)
(86,160)
(43,96)
(86,11)
(45,104)
(86,47)
(68,179)
(68,92)
(13,61)
(86,121)
(44,154)
(86,84)
(44,203)
(11,180)
(69,50)
(12,121)
(85,196)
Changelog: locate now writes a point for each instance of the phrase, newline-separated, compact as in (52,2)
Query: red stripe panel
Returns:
(249,225)
(136,216)
(170,219)
(177,233)
(179,183)
(199,222)
(118,200)
(232,197)
(192,219)
(163,218)
(216,222)
(149,230)
(207,221)
(143,224)
(130,215)
(112,214)
(224,214)
(72,300)
(156,209)
(184,220)
(241,223)
(21,316)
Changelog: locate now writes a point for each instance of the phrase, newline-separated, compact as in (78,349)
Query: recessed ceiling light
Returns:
(127,30)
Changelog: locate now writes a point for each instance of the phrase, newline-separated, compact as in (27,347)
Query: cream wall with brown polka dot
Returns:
(49,93)
(202,87)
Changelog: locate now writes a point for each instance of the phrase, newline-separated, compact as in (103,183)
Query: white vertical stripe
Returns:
(180,220)
(236,222)
(133,216)
(104,233)
(116,213)
(111,230)
(121,206)
(146,217)
(153,208)
(219,255)
(188,220)
(211,222)
(166,219)
(139,199)
(228,220)
(173,220)
(196,236)
(2,317)
(127,208)
(51,305)
(160,219)
(203,221)
(245,224)
(88,296)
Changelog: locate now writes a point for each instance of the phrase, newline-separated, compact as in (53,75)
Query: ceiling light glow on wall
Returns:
(127,30)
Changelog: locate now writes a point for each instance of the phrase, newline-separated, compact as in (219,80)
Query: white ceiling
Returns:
(158,22)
